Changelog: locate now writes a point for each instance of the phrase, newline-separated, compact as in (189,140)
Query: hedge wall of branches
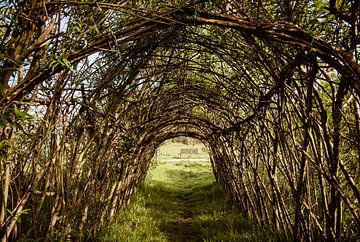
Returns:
(90,89)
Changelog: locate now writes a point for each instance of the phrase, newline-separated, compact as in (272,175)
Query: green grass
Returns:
(181,201)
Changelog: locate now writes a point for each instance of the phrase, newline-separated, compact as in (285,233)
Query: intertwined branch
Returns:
(89,90)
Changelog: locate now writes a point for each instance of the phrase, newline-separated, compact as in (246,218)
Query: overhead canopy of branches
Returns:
(90,89)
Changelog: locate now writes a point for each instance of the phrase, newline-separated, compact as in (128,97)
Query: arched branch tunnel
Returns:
(276,104)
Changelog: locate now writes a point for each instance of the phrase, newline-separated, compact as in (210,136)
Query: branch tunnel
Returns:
(276,104)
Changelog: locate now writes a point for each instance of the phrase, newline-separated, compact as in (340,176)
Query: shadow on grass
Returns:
(195,208)
(182,202)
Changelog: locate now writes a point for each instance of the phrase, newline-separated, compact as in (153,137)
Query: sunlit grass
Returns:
(181,201)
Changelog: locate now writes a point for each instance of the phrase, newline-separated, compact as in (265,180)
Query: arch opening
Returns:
(182,148)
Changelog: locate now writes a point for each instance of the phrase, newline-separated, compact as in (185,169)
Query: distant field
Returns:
(171,150)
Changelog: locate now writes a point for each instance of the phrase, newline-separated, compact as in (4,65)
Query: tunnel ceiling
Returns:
(89,90)
(177,80)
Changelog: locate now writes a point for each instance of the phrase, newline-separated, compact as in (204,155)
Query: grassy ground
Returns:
(181,202)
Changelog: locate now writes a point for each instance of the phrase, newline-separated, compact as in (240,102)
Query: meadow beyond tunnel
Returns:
(89,91)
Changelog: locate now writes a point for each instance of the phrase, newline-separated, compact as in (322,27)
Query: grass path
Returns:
(181,201)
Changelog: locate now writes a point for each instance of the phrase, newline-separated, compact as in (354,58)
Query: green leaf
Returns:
(3,145)
(54,64)
(66,63)
(21,114)
(3,149)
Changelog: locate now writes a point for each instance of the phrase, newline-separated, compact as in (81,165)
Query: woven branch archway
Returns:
(89,90)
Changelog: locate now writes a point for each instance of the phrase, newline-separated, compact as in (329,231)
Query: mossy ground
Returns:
(181,201)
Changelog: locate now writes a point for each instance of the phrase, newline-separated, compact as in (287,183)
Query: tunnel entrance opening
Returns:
(182,149)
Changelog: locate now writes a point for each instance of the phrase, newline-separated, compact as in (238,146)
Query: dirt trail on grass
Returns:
(189,188)
(198,210)
(181,202)
(182,226)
